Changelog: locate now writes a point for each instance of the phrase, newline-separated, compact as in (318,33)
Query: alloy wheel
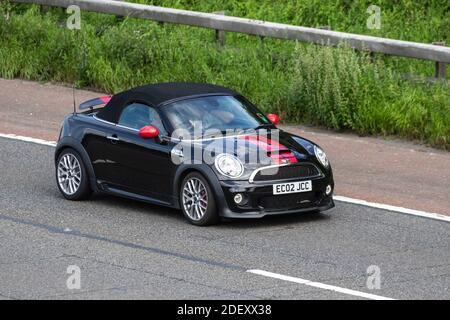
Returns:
(69,174)
(195,198)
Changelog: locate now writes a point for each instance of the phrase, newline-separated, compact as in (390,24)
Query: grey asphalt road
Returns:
(132,250)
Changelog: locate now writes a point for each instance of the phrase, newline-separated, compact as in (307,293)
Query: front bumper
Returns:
(259,200)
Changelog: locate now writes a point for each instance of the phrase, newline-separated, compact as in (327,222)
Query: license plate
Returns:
(292,187)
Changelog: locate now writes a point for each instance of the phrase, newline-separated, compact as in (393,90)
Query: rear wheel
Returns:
(71,176)
(197,200)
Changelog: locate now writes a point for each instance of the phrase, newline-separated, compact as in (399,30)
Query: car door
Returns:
(141,166)
(97,143)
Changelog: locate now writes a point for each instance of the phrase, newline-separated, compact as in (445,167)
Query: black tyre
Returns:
(71,176)
(197,200)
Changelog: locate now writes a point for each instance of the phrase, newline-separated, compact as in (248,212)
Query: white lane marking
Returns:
(430,215)
(318,285)
(28,139)
(418,213)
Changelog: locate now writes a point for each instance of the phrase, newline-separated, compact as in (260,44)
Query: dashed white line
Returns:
(318,285)
(418,213)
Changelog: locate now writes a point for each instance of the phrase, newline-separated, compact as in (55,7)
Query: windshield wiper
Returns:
(263,126)
(213,134)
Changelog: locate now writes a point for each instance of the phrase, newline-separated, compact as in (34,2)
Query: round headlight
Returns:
(228,165)
(321,156)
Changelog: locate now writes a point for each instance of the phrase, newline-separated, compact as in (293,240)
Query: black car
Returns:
(201,148)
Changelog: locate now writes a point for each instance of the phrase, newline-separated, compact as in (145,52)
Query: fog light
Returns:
(328,190)
(238,198)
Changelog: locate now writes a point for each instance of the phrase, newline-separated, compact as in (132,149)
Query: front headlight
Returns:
(228,165)
(321,156)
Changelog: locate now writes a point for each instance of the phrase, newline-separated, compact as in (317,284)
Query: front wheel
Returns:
(197,200)
(71,176)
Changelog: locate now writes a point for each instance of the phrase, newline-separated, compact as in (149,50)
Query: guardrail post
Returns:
(220,34)
(440,67)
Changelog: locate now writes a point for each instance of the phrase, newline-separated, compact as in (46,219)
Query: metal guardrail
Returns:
(220,23)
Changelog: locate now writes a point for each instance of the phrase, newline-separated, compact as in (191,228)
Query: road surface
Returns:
(125,249)
(130,250)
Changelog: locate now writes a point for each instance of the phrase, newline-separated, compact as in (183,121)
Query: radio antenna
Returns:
(74,102)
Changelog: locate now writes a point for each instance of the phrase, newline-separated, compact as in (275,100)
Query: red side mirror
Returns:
(148,132)
(275,119)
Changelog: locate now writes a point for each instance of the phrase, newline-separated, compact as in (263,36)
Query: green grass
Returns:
(333,87)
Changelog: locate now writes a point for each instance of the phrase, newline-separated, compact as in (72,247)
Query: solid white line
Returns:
(388,207)
(28,139)
(429,215)
(318,285)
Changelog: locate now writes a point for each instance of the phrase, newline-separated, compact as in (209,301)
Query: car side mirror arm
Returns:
(160,139)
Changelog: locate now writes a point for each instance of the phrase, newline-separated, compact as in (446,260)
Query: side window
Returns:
(137,115)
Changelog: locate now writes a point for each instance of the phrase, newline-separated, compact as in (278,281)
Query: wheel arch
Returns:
(207,173)
(71,143)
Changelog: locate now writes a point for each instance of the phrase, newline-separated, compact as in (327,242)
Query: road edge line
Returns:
(318,285)
(28,139)
(388,207)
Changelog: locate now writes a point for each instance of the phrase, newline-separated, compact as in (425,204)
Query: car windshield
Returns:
(213,113)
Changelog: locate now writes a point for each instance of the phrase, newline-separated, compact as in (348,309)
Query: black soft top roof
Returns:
(160,93)
(156,95)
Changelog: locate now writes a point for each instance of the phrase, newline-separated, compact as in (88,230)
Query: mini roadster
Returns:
(201,148)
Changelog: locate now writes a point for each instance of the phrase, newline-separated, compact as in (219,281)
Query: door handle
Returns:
(113,138)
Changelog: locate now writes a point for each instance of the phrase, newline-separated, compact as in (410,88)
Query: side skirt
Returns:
(134,196)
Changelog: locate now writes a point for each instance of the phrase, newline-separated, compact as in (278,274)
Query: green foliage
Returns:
(343,89)
(333,87)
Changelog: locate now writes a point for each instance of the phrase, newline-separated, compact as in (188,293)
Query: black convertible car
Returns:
(201,148)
